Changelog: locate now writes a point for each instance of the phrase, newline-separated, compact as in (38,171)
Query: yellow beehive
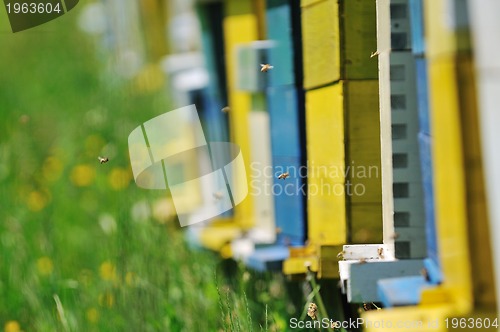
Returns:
(449,176)
(363,160)
(321,41)
(240,26)
(338,39)
(325,155)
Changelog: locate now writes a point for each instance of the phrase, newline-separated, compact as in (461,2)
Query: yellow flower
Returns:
(45,266)
(119,178)
(107,271)
(37,200)
(82,175)
(92,315)
(12,326)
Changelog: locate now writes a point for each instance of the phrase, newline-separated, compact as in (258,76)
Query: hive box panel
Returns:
(359,33)
(325,157)
(327,56)
(365,222)
(289,200)
(362,110)
(427,185)
(422,95)
(279,31)
(321,42)
(284,115)
(401,37)
(362,284)
(240,26)
(417,26)
(410,242)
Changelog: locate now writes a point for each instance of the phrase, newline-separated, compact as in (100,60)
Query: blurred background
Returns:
(368,133)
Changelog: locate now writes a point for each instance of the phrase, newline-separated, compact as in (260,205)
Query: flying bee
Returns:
(265,67)
(225,109)
(341,254)
(374,54)
(312,310)
(283,176)
(103,160)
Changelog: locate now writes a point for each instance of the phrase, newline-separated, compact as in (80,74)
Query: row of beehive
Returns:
(324,106)
(320,105)
(319,108)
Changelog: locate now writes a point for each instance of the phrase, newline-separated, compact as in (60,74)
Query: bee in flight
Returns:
(225,109)
(103,160)
(283,176)
(265,67)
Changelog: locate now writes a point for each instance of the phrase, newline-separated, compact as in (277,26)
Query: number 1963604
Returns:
(471,323)
(33,8)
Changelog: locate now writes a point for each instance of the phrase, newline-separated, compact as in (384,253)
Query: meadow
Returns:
(82,248)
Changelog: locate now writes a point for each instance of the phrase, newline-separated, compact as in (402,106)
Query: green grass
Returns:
(80,248)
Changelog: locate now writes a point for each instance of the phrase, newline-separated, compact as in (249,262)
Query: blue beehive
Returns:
(417,27)
(281,55)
